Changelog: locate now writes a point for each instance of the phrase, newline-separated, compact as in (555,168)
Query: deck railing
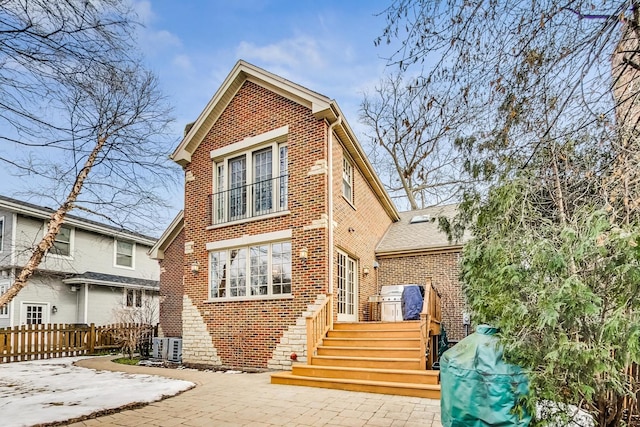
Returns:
(318,323)
(430,320)
(34,342)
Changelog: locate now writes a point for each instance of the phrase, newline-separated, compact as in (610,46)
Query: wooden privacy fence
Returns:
(33,342)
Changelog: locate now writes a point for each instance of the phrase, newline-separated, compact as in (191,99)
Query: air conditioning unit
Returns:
(174,353)
(160,348)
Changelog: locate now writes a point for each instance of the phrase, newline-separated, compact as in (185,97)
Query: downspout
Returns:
(86,303)
(330,197)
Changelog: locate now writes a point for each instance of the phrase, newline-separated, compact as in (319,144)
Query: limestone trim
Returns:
(294,341)
(197,344)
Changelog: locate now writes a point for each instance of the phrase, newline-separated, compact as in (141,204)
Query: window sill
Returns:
(252,219)
(250,298)
(349,202)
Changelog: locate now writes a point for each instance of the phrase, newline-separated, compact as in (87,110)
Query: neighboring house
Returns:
(282,208)
(93,274)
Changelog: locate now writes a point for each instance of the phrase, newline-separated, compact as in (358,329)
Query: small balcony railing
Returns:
(249,201)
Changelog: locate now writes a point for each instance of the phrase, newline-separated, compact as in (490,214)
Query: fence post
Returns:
(92,338)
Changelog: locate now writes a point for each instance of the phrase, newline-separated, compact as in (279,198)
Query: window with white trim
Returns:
(347,179)
(124,253)
(1,233)
(35,314)
(4,311)
(133,297)
(250,184)
(346,283)
(261,270)
(62,243)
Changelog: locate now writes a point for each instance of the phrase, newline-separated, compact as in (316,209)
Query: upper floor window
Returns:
(124,253)
(347,179)
(1,233)
(260,270)
(62,243)
(250,184)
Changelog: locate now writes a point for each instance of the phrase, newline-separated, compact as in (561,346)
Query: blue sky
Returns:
(326,46)
(192,45)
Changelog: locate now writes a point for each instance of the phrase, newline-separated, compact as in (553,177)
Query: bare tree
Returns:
(92,123)
(412,141)
(136,319)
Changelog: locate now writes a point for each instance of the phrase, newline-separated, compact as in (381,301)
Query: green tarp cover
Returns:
(478,388)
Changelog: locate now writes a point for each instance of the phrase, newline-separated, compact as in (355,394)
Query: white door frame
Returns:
(347,297)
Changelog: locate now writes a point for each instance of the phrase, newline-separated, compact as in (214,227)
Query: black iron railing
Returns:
(249,201)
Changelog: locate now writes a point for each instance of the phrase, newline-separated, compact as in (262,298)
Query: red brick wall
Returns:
(171,289)
(367,221)
(245,333)
(444,270)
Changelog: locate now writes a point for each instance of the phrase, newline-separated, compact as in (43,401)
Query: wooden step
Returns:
(384,352)
(388,375)
(369,362)
(430,391)
(372,342)
(374,333)
(368,326)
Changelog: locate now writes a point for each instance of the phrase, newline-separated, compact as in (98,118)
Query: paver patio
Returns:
(223,399)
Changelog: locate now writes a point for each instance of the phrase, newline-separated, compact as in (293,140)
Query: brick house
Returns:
(269,166)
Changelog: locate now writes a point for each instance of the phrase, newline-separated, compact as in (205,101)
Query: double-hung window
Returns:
(261,270)
(251,183)
(124,253)
(62,243)
(347,180)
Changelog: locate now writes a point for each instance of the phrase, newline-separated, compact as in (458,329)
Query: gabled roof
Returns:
(169,235)
(319,104)
(35,211)
(417,231)
(321,107)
